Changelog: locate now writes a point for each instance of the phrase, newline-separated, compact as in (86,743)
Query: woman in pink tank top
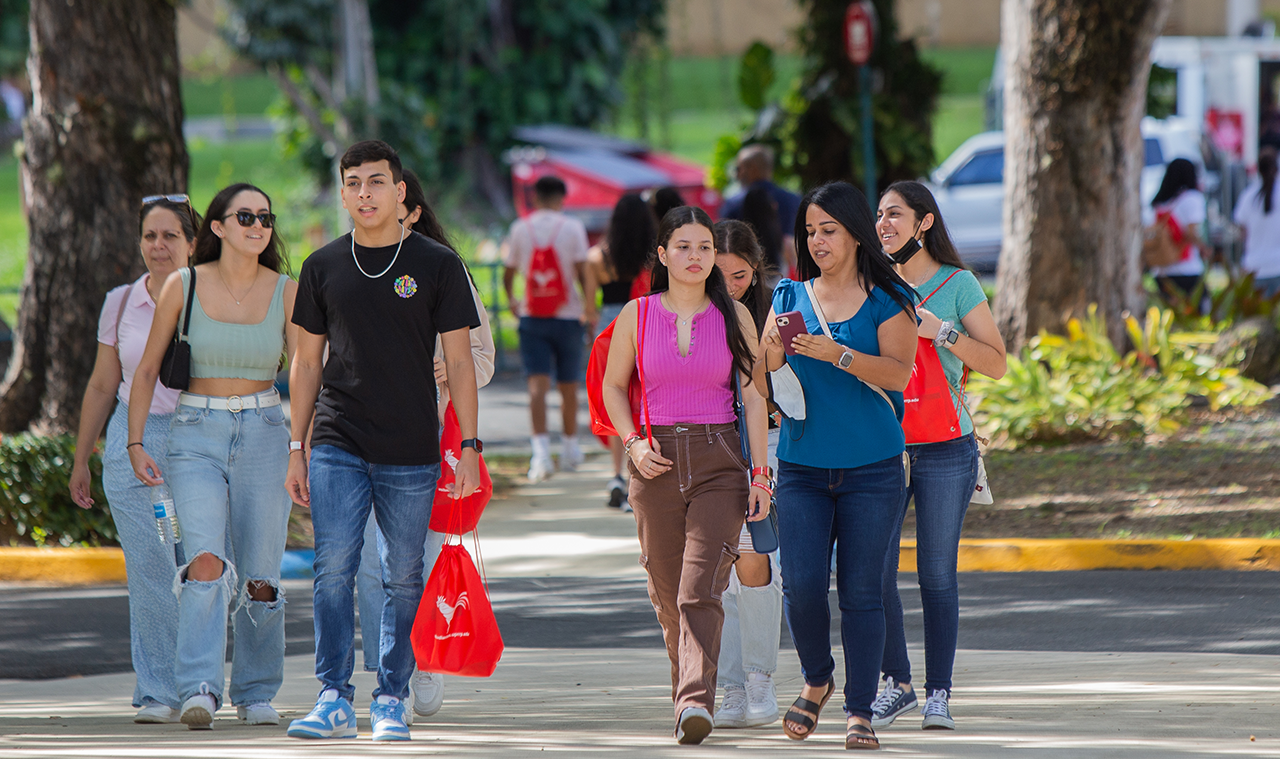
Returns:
(690,486)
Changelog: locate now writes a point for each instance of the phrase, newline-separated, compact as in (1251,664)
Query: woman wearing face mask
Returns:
(840,469)
(689,482)
(228,455)
(955,317)
(167,226)
(753,601)
(426,688)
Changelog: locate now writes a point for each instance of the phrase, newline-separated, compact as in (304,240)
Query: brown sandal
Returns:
(860,736)
(794,714)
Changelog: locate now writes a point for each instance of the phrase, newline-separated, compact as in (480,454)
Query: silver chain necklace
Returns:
(393,258)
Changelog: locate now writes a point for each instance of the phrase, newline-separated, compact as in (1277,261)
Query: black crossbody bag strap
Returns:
(191,299)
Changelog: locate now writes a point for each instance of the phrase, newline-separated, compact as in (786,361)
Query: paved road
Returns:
(48,633)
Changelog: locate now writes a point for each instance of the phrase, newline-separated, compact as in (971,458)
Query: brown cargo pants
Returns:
(689,519)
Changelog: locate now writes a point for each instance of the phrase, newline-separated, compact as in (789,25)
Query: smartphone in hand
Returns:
(790,324)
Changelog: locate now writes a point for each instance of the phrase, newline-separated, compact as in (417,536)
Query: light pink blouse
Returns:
(135,326)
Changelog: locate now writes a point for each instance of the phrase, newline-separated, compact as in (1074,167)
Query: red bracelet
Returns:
(766,471)
(631,439)
(765,488)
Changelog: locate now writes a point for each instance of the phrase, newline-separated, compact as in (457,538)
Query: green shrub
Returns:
(35,474)
(1078,387)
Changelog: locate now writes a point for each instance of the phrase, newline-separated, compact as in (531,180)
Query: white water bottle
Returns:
(166,515)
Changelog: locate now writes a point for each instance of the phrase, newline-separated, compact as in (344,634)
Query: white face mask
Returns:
(787,392)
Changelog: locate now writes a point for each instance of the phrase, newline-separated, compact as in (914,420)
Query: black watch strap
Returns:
(472,442)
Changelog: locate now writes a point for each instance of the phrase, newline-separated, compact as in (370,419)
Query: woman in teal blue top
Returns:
(955,316)
(840,469)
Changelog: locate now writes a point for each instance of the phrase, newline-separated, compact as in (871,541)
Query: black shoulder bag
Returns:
(764,533)
(175,369)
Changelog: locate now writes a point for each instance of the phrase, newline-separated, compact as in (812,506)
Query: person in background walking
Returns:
(228,452)
(760,212)
(840,470)
(616,264)
(1256,214)
(954,314)
(426,690)
(662,200)
(690,486)
(167,227)
(753,601)
(549,250)
(754,170)
(1179,203)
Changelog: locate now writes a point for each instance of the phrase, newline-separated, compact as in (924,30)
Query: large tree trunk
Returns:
(1075,91)
(105,130)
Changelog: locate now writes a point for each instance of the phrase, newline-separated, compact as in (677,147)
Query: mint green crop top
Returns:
(237,351)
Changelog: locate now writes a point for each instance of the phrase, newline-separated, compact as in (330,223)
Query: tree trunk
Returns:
(105,130)
(1075,90)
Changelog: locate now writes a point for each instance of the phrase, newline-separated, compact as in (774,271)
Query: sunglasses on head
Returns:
(171,198)
(246,218)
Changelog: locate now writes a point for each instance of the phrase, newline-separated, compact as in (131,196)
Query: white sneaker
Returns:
(694,725)
(733,707)
(540,468)
(570,455)
(428,690)
(762,700)
(262,713)
(155,713)
(386,716)
(197,712)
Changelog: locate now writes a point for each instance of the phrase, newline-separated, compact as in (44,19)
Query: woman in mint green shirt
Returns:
(956,317)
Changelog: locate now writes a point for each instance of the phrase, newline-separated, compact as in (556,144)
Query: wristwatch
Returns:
(472,442)
(295,445)
(947,335)
(845,360)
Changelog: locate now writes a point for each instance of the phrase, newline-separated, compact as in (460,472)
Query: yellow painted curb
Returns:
(1047,555)
(62,566)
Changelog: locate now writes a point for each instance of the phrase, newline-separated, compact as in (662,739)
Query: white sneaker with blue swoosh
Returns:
(333,717)
(386,713)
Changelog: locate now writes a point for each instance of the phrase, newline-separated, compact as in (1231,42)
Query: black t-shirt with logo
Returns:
(378,400)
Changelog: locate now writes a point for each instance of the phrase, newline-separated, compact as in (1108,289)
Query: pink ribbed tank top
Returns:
(692,389)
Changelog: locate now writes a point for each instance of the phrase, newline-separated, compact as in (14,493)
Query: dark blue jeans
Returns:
(344,488)
(943,476)
(856,509)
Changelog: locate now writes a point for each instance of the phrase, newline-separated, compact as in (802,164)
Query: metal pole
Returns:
(868,138)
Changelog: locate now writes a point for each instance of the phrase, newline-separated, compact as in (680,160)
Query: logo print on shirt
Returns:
(405,286)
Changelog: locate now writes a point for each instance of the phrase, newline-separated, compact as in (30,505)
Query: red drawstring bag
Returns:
(641,284)
(931,415)
(455,632)
(600,424)
(457,516)
(544,286)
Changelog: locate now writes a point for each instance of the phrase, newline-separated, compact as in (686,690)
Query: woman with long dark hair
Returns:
(840,468)
(690,485)
(618,264)
(228,453)
(1180,204)
(760,211)
(1256,214)
(753,601)
(167,231)
(955,317)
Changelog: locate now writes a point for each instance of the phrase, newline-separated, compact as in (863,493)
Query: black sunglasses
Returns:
(246,218)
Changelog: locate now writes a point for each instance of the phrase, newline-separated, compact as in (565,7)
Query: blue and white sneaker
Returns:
(937,716)
(333,717)
(387,715)
(893,701)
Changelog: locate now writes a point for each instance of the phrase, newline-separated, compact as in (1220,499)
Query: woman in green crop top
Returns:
(228,454)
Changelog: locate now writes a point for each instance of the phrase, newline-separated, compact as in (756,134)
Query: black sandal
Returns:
(794,714)
(860,736)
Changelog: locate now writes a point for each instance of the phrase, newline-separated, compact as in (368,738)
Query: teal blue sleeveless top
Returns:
(235,351)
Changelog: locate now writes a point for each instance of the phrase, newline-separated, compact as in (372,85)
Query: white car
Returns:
(969,185)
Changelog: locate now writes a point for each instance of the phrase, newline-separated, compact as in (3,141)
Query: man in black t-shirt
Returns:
(378,297)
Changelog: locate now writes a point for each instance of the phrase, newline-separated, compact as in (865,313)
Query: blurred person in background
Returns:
(754,169)
(1180,204)
(1256,213)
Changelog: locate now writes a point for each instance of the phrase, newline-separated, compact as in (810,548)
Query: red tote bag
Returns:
(931,415)
(457,516)
(600,423)
(455,632)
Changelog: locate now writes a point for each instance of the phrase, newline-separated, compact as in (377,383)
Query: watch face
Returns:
(845,360)
(952,337)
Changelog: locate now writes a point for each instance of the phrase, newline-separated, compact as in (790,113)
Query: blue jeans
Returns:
(369,593)
(153,608)
(856,510)
(344,488)
(943,476)
(227,470)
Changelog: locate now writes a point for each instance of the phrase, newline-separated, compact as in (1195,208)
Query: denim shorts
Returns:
(552,346)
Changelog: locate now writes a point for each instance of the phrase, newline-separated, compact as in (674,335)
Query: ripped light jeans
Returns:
(226,471)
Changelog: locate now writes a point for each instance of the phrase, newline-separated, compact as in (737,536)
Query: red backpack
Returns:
(544,286)
(931,415)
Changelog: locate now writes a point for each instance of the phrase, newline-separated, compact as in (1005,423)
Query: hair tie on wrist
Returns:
(130,445)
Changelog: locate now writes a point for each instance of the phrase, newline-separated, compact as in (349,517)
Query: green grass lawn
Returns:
(246,94)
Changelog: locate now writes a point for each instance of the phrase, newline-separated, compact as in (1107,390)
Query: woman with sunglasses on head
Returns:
(228,454)
(690,485)
(426,688)
(840,468)
(753,601)
(955,317)
(167,227)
